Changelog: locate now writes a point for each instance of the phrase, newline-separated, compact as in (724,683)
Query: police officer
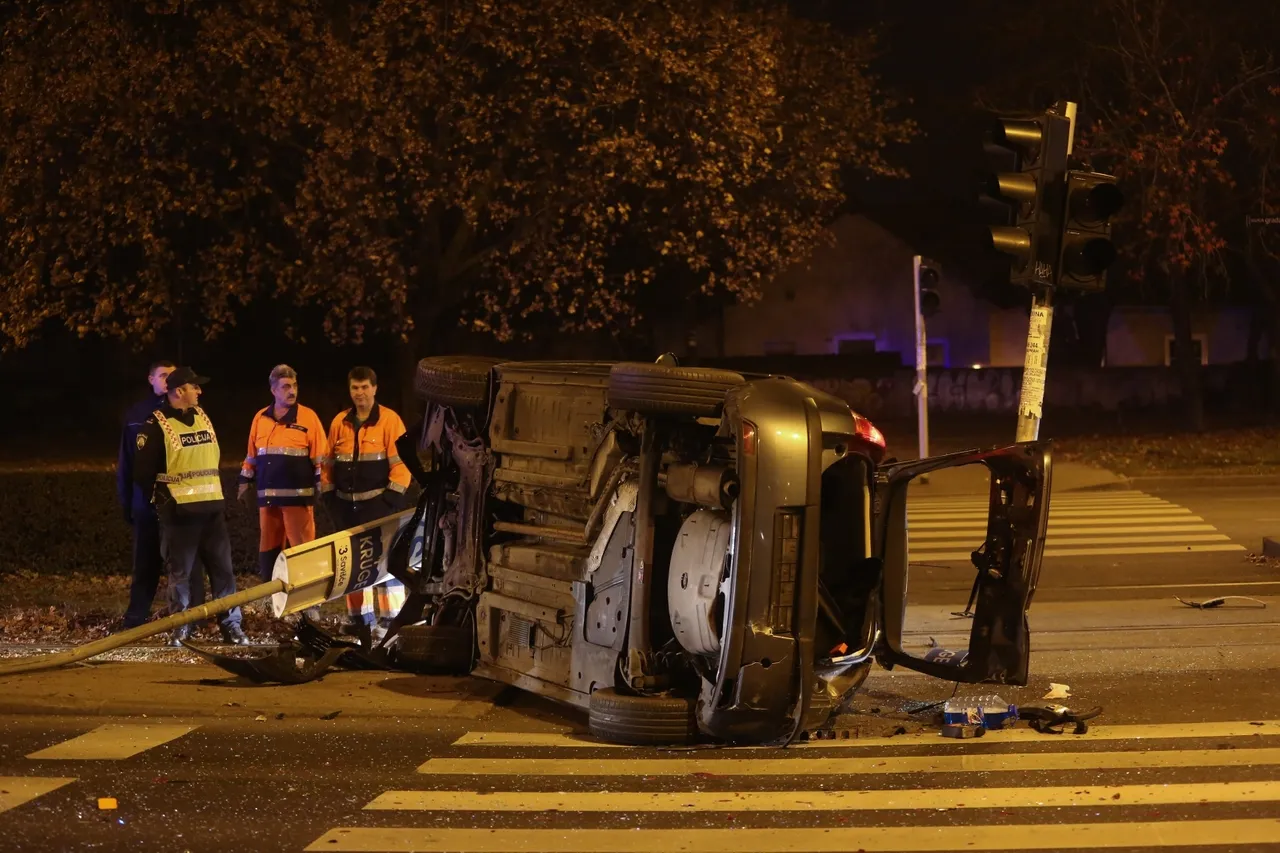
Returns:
(177,464)
(139,513)
(364,480)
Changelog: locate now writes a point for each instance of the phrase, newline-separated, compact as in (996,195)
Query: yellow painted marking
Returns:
(1094,552)
(862,765)
(1068,531)
(1100,520)
(836,839)
(1087,540)
(1171,512)
(1149,731)
(113,742)
(818,801)
(16,790)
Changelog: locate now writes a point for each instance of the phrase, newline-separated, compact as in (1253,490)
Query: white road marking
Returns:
(844,766)
(113,742)
(834,839)
(1141,731)
(826,800)
(16,790)
(947,556)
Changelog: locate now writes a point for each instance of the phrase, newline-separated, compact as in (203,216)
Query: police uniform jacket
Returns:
(151,463)
(134,500)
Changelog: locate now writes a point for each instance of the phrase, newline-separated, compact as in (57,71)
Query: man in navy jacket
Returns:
(139,512)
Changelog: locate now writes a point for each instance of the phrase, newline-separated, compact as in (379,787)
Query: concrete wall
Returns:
(996,390)
(858,288)
(1137,336)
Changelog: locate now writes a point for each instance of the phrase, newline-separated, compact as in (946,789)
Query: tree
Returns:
(391,164)
(1163,85)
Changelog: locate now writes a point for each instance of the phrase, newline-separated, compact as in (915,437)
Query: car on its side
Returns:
(682,551)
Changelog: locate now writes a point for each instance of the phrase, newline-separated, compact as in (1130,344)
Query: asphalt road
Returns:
(1186,754)
(1175,761)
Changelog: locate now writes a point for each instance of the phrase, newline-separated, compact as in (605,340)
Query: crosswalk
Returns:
(1146,786)
(1207,783)
(1080,525)
(108,742)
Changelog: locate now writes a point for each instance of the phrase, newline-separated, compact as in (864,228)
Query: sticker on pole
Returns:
(1031,400)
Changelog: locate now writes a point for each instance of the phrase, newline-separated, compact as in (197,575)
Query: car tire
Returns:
(641,720)
(454,380)
(660,389)
(436,649)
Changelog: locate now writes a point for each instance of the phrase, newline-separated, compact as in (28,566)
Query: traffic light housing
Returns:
(1033,152)
(930,275)
(1092,198)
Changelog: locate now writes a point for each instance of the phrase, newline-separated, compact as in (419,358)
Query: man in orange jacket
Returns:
(363,481)
(287,450)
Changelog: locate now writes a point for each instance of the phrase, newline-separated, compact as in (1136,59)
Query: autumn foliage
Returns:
(393,164)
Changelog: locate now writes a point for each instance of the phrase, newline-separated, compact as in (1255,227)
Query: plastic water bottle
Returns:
(990,712)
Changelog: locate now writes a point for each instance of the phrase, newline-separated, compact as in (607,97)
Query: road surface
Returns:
(1186,754)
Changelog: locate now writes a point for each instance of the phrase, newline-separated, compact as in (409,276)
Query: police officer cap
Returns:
(185,376)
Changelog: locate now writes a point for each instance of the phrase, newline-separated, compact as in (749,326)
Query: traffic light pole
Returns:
(922,359)
(1035,365)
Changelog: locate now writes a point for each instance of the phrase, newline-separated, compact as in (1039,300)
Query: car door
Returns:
(1007,562)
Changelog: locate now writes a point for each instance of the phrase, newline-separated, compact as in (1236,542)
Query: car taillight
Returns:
(867,430)
(748,438)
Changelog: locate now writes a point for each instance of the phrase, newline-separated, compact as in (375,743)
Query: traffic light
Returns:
(930,275)
(1092,199)
(1034,151)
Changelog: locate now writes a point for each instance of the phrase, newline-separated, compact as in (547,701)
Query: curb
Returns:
(1210,480)
(126,708)
(1123,485)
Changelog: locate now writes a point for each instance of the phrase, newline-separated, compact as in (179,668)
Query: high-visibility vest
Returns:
(285,456)
(191,459)
(363,463)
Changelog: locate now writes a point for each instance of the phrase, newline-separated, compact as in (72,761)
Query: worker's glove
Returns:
(245,494)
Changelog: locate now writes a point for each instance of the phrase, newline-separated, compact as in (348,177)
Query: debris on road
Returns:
(1050,719)
(1218,602)
(959,731)
(1057,691)
(987,712)
(107,803)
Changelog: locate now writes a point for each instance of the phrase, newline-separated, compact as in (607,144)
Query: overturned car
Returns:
(684,551)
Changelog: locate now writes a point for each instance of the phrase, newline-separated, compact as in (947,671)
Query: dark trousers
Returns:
(348,514)
(182,540)
(147,566)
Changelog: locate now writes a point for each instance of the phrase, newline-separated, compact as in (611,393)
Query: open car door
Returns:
(1007,562)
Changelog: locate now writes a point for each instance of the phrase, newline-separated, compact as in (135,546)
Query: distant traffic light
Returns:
(930,275)
(1034,149)
(1092,199)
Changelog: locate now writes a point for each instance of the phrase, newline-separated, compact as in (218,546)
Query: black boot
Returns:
(177,635)
(234,634)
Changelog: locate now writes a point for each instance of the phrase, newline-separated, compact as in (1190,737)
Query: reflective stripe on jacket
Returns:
(191,460)
(363,463)
(285,456)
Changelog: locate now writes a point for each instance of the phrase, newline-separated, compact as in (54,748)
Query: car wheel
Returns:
(641,720)
(454,380)
(439,649)
(661,389)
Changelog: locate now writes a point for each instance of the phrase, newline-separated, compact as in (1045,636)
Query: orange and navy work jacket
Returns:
(364,464)
(285,457)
